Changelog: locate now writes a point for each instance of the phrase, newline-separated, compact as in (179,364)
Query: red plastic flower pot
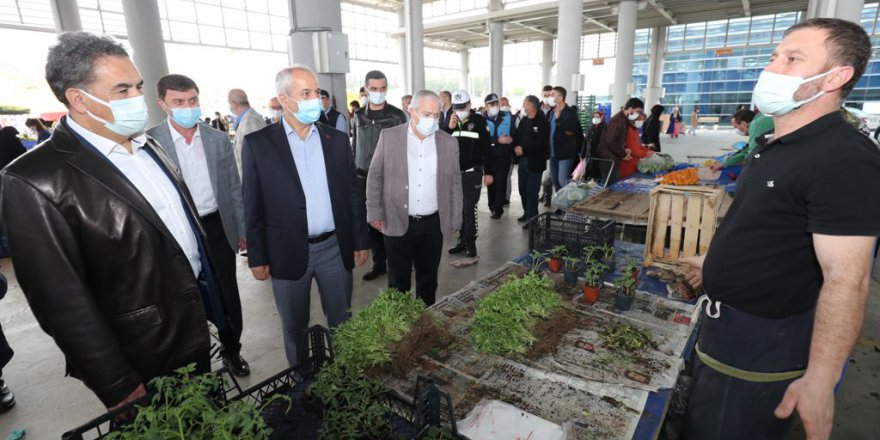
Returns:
(591,294)
(555,265)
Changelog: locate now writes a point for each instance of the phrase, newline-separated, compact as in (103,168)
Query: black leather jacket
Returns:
(101,272)
(366,126)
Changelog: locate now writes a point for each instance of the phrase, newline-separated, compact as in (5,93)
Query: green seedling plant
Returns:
(625,284)
(607,252)
(186,407)
(538,259)
(504,320)
(631,266)
(594,272)
(626,338)
(592,252)
(571,263)
(558,252)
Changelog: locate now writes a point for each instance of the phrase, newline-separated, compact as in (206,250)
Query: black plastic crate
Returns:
(547,231)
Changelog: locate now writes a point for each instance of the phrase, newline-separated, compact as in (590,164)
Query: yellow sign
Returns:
(598,61)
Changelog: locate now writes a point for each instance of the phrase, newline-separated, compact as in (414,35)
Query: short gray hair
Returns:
(417,98)
(285,77)
(71,61)
(239,97)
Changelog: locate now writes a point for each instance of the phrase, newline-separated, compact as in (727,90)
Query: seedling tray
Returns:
(547,231)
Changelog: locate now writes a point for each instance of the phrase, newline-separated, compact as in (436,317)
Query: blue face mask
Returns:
(309,110)
(186,117)
(129,114)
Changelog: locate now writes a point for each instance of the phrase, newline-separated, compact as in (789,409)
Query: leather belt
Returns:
(322,237)
(421,218)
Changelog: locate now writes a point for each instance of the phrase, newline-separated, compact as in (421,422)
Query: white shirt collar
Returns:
(104,145)
(176,136)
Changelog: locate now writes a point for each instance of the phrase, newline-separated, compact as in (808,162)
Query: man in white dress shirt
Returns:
(207,163)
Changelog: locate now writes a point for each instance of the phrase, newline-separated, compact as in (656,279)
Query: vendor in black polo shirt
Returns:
(787,272)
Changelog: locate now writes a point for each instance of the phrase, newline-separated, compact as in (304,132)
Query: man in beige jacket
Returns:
(414,195)
(247,121)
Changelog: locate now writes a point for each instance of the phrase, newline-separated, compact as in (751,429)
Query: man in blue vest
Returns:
(331,116)
(500,127)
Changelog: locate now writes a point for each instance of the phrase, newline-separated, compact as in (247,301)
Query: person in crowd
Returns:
(695,121)
(445,108)
(500,129)
(353,106)
(414,196)
(566,138)
(613,145)
(276,109)
(803,225)
(546,91)
(505,107)
(470,129)
(532,142)
(303,210)
(206,161)
(102,205)
(363,96)
(367,124)
(547,193)
(10,145)
(7,399)
(207,121)
(651,128)
(597,127)
(637,150)
(38,128)
(247,120)
(674,128)
(404,104)
(330,115)
(505,104)
(219,123)
(751,124)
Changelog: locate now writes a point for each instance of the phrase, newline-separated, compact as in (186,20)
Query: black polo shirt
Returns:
(821,179)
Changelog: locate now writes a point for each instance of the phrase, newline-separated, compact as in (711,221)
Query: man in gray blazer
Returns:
(247,121)
(414,195)
(204,157)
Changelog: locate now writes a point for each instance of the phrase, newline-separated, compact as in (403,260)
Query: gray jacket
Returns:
(221,167)
(366,125)
(388,183)
(251,122)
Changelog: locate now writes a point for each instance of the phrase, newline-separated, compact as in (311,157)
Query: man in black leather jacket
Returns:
(104,234)
(367,123)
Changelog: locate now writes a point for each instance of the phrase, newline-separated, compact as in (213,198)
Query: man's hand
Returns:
(242,244)
(695,274)
(360,257)
(453,121)
(261,272)
(378,225)
(518,151)
(814,400)
(138,392)
(487,180)
(715,166)
(505,139)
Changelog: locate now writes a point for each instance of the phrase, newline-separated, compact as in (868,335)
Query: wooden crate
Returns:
(686,216)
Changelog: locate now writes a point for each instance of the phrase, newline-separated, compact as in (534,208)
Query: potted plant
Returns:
(593,276)
(626,289)
(592,252)
(556,254)
(538,258)
(632,268)
(571,270)
(608,257)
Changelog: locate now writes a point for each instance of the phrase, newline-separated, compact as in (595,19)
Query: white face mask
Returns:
(551,101)
(597,121)
(505,108)
(426,126)
(633,116)
(774,93)
(545,100)
(493,111)
(129,115)
(462,114)
(377,98)
(740,132)
(639,124)
(277,114)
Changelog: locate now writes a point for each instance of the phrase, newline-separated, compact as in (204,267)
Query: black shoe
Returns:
(522,219)
(236,364)
(526,226)
(471,252)
(7,399)
(506,203)
(459,248)
(497,214)
(374,273)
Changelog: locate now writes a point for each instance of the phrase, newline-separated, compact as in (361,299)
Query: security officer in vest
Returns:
(375,116)
(470,128)
(500,128)
(329,115)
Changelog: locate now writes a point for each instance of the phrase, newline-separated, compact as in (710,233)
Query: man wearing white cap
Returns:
(469,128)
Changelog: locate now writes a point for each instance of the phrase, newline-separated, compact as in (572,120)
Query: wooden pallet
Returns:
(687,217)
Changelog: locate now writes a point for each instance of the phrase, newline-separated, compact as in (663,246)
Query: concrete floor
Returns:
(49,404)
